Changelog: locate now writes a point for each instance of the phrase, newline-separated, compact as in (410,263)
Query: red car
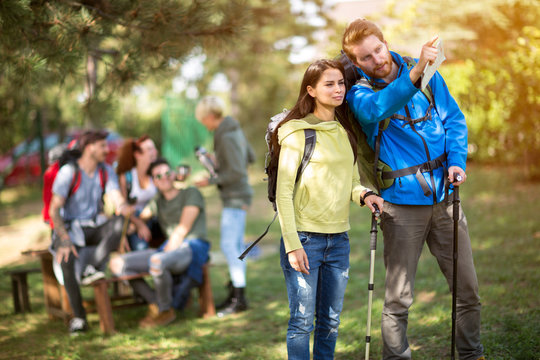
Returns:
(27,168)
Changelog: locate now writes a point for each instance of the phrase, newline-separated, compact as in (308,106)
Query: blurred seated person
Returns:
(134,158)
(181,215)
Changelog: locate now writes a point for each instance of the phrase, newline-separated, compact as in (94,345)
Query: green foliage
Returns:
(99,48)
(262,79)
(505,246)
(140,42)
(497,79)
(182,133)
(506,93)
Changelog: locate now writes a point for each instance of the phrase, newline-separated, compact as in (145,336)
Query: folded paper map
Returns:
(429,71)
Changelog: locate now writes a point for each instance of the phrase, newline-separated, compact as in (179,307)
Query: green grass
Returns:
(502,212)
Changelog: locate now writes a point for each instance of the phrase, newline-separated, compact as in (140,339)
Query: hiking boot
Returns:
(153,311)
(161,319)
(90,275)
(481,358)
(77,326)
(225,303)
(238,303)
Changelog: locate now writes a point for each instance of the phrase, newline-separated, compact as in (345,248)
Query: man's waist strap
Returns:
(417,170)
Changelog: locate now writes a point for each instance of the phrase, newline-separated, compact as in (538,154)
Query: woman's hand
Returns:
(299,260)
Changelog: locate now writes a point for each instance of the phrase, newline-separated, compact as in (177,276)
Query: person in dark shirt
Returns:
(181,216)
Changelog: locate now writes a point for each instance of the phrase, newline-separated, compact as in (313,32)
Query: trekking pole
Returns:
(455,203)
(372,247)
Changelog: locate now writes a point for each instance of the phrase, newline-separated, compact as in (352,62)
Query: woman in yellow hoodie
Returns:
(314,212)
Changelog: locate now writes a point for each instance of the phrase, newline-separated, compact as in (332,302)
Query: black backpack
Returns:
(272,156)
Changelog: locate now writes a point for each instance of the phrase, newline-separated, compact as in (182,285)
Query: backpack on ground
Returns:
(272,162)
(374,173)
(58,157)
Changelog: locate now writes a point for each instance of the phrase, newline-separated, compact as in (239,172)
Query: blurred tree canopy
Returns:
(262,80)
(86,63)
(493,70)
(80,62)
(57,55)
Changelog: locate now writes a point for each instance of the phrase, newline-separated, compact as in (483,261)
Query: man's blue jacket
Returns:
(403,145)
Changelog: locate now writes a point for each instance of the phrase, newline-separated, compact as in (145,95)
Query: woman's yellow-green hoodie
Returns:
(320,201)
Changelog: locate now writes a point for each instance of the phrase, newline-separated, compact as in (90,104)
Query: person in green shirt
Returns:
(181,216)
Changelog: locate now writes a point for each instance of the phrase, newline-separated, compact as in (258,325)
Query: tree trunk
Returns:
(90,87)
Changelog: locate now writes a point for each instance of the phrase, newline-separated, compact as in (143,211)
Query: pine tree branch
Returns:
(221,29)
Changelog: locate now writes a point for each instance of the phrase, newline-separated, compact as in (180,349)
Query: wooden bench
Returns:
(19,289)
(57,303)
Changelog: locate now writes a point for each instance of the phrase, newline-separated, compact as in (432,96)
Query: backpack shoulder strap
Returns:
(365,83)
(309,147)
(409,61)
(383,124)
(103,176)
(76,180)
(129,182)
(311,139)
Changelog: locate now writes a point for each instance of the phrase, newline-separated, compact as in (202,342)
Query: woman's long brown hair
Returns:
(126,158)
(306,104)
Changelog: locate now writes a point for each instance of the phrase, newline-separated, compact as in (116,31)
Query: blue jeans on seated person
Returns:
(317,295)
(137,243)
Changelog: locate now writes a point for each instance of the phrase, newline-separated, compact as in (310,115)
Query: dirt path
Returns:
(21,230)
(21,227)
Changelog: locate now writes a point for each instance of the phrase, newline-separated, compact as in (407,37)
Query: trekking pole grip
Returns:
(456,199)
(373,239)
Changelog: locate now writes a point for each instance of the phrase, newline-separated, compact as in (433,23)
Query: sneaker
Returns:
(77,326)
(163,318)
(91,275)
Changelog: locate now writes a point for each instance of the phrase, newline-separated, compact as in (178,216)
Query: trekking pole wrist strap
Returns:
(363,198)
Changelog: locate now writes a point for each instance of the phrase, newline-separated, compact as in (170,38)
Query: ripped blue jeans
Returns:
(162,266)
(317,296)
